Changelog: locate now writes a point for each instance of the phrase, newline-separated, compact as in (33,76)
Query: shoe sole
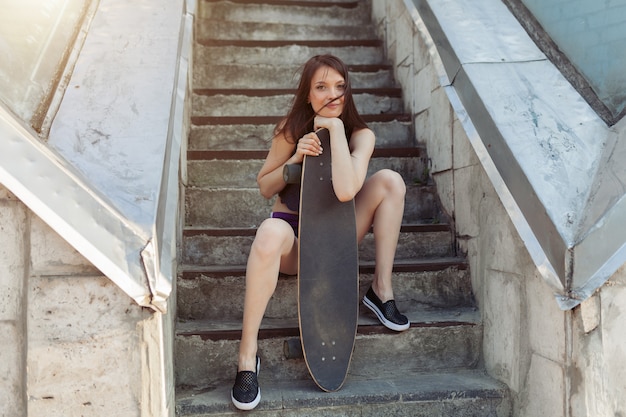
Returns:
(247,406)
(388,324)
(251,405)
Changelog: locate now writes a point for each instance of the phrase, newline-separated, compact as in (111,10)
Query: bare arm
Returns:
(270,178)
(349,161)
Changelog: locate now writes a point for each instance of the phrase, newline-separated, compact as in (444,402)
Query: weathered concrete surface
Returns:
(205,249)
(74,343)
(447,339)
(459,394)
(200,297)
(247,208)
(231,105)
(13,304)
(223,198)
(85,343)
(255,137)
(550,157)
(555,363)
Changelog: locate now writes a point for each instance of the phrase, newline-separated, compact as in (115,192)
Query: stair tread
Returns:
(267,31)
(258,136)
(273,43)
(333,13)
(236,231)
(266,92)
(308,3)
(420,316)
(291,68)
(225,154)
(256,120)
(253,54)
(350,4)
(398,386)
(422,264)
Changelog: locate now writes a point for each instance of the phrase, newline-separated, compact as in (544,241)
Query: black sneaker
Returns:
(246,393)
(387,313)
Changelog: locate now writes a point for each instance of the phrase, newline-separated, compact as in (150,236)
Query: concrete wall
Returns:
(556,363)
(73,343)
(591,34)
(12,306)
(599,352)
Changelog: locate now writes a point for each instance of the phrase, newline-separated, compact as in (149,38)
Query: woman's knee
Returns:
(392,182)
(272,236)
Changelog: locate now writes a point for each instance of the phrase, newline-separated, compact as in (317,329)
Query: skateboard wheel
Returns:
(292,173)
(292,348)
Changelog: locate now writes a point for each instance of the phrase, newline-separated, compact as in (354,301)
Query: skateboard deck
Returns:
(328,287)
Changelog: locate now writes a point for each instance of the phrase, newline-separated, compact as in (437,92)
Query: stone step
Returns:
(262,54)
(206,351)
(246,208)
(279,75)
(208,30)
(435,282)
(206,247)
(334,13)
(243,105)
(239,169)
(254,120)
(251,136)
(246,62)
(463,393)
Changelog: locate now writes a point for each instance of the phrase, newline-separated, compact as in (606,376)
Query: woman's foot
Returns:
(246,393)
(387,312)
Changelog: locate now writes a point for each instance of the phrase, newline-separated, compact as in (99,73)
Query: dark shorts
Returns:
(290,218)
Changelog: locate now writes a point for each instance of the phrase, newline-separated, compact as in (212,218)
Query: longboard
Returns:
(328,275)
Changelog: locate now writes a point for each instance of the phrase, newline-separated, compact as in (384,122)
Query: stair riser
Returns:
(247,208)
(208,30)
(281,55)
(336,16)
(221,298)
(244,106)
(251,137)
(231,173)
(277,75)
(204,250)
(206,363)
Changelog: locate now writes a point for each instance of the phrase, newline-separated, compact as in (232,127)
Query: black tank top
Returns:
(290,196)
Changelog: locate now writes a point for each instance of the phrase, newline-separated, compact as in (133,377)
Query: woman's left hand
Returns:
(329,123)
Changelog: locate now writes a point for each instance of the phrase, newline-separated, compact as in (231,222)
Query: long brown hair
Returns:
(299,120)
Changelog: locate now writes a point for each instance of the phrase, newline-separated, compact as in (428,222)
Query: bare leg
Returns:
(381,203)
(274,249)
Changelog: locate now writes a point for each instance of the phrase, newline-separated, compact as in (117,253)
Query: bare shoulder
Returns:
(363,140)
(280,151)
(282,145)
(366,131)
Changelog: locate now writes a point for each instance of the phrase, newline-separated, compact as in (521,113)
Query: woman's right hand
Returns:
(308,144)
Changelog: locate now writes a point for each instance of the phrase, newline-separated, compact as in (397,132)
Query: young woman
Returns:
(323,100)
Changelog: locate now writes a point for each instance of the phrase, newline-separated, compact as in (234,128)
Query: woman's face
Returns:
(326,85)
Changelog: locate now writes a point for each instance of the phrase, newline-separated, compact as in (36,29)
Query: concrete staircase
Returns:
(245,71)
